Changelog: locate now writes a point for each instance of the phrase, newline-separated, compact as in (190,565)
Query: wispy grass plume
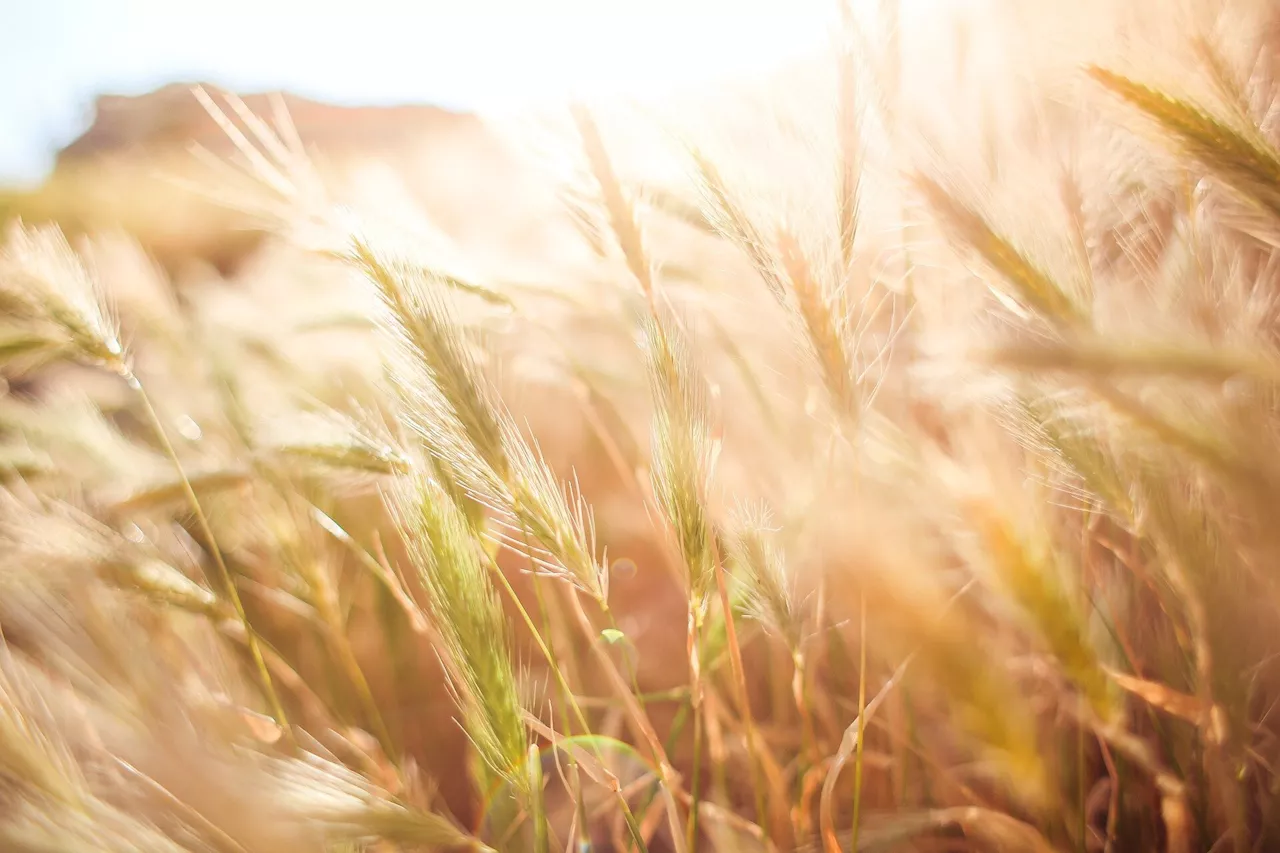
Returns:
(453,409)
(682,450)
(469,621)
(1240,156)
(756,561)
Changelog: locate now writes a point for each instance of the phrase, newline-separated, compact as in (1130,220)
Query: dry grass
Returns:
(898,476)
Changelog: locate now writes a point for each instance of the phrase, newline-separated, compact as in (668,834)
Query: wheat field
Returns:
(870,458)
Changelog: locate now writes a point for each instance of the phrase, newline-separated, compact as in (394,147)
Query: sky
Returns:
(57,55)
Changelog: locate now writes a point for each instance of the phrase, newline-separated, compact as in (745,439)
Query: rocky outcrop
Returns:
(173,116)
(134,169)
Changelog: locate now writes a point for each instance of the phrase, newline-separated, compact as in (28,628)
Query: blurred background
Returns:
(421,101)
(61,56)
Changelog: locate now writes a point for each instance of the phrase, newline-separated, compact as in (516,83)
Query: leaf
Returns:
(174,493)
(23,463)
(612,636)
(263,728)
(26,350)
(1160,696)
(1102,358)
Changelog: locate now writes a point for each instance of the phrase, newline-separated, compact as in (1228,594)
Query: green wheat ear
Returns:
(470,435)
(681,449)
(757,563)
(470,623)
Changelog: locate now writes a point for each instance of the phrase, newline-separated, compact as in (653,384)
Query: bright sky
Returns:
(56,55)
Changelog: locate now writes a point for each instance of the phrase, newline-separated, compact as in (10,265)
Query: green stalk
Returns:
(533,766)
(565,697)
(632,826)
(744,699)
(695,782)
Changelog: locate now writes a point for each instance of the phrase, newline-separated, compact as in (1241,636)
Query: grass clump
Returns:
(344,586)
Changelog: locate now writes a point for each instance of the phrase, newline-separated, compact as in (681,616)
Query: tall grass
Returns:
(674,546)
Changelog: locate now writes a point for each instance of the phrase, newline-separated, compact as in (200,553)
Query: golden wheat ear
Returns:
(55,304)
(1240,156)
(824,316)
(619,208)
(1030,285)
(723,212)
(682,452)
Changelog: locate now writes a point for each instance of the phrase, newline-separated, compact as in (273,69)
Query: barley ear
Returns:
(1240,157)
(469,621)
(1030,285)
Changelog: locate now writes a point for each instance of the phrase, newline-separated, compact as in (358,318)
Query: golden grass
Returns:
(670,545)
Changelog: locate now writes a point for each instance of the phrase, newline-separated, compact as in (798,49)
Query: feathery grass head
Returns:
(727,216)
(59,306)
(1025,571)
(558,518)
(620,209)
(449,388)
(469,621)
(1031,286)
(332,440)
(682,451)
(825,319)
(849,138)
(757,562)
(471,437)
(57,539)
(319,792)
(1240,156)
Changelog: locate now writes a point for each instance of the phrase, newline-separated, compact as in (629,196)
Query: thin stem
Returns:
(678,724)
(800,695)
(695,782)
(534,768)
(693,651)
(744,702)
(326,600)
(644,728)
(862,716)
(251,638)
(566,697)
(549,656)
